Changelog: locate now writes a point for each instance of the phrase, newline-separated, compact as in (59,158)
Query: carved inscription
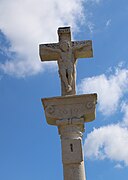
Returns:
(69,111)
(81,106)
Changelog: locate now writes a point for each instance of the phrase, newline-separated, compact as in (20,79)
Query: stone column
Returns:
(69,113)
(71,132)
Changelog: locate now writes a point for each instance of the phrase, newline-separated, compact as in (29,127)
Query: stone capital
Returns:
(71,109)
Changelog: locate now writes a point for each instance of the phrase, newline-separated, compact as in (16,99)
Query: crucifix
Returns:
(66,53)
(69,112)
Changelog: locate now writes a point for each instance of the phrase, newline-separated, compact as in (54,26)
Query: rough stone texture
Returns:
(66,52)
(68,107)
(71,145)
(72,153)
(74,171)
(69,112)
(47,54)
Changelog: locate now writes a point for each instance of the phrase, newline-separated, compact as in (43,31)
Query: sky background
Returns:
(30,149)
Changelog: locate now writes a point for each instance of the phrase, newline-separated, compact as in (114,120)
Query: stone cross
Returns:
(66,52)
(69,112)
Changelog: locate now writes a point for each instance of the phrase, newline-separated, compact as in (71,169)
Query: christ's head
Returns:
(64,45)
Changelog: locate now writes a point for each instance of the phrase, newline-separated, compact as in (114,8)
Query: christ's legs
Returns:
(64,78)
(70,76)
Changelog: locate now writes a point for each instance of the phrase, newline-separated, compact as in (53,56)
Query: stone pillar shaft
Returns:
(74,171)
(72,151)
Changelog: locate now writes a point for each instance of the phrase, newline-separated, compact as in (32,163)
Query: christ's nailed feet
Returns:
(69,88)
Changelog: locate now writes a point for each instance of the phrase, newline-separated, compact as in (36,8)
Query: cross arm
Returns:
(49,52)
(82,49)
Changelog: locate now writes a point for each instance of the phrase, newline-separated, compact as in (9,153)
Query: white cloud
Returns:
(118,166)
(124,108)
(90,26)
(110,89)
(108,23)
(26,23)
(108,142)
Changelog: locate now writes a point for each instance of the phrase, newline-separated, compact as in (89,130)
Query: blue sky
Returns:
(30,148)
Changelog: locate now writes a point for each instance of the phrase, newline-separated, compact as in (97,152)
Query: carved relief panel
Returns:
(80,106)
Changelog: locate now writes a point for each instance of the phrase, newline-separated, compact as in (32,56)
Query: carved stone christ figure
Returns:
(66,64)
(66,52)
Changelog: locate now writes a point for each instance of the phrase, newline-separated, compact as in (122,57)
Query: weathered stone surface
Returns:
(72,121)
(74,171)
(72,153)
(69,112)
(66,53)
(46,54)
(69,107)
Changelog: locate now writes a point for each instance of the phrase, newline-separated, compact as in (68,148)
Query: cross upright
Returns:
(66,52)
